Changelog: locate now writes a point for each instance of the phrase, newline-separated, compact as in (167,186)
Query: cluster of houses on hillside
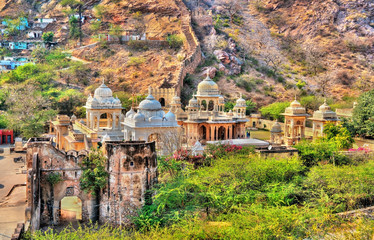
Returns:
(29,37)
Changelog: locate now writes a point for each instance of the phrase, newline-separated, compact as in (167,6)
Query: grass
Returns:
(243,196)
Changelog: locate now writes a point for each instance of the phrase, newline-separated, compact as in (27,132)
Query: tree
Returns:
(28,111)
(174,41)
(274,110)
(230,7)
(73,21)
(338,134)
(363,115)
(74,31)
(94,176)
(48,37)
(323,83)
(138,24)
(116,31)
(314,58)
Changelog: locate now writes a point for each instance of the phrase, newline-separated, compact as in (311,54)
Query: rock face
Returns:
(309,18)
(230,64)
(211,71)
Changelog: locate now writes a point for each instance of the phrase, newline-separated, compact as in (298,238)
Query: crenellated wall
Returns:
(194,57)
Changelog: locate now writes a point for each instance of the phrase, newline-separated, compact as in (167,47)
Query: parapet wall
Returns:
(194,57)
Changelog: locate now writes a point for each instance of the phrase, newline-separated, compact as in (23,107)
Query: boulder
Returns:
(211,71)
(223,56)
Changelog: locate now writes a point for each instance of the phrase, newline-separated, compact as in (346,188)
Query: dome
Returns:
(324,107)
(276,128)
(139,117)
(295,103)
(221,99)
(295,109)
(73,118)
(193,102)
(150,103)
(241,102)
(169,116)
(207,87)
(176,100)
(324,113)
(130,113)
(103,92)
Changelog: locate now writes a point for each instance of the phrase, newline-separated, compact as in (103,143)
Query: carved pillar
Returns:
(113,121)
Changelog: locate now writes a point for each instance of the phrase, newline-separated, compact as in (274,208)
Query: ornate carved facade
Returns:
(205,119)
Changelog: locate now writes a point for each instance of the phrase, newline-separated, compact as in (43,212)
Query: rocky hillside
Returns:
(267,50)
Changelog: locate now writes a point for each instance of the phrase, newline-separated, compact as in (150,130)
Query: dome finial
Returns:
(325,101)
(295,96)
(149,90)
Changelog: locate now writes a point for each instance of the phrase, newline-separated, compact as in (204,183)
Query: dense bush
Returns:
(274,110)
(175,41)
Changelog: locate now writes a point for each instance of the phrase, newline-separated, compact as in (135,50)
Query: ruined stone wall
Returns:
(44,200)
(132,168)
(194,57)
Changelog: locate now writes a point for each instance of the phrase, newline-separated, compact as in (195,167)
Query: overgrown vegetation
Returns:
(241,196)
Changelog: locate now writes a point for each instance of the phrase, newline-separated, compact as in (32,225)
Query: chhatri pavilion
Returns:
(103,118)
(205,119)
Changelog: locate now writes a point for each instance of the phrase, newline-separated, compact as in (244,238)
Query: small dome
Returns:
(193,102)
(139,117)
(277,128)
(130,113)
(241,102)
(221,99)
(169,116)
(150,103)
(176,99)
(103,92)
(207,87)
(73,118)
(295,104)
(324,107)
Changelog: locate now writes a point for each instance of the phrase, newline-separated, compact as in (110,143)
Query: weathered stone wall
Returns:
(44,200)
(193,45)
(132,168)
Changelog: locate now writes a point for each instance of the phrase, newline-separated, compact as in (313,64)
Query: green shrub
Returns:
(175,41)
(135,61)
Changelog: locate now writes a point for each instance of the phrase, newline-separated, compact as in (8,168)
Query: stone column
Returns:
(87,118)
(98,122)
(91,121)
(216,132)
(113,121)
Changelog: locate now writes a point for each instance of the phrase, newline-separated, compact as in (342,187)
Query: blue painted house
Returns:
(23,23)
(18,45)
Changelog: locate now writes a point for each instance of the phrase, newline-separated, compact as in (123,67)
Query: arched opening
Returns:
(211,105)
(202,132)
(233,132)
(106,120)
(162,101)
(71,208)
(221,133)
(203,105)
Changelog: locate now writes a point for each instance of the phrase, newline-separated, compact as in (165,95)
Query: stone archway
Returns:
(202,133)
(211,105)
(71,208)
(162,102)
(221,133)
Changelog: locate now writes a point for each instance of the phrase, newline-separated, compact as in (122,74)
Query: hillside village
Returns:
(175,119)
